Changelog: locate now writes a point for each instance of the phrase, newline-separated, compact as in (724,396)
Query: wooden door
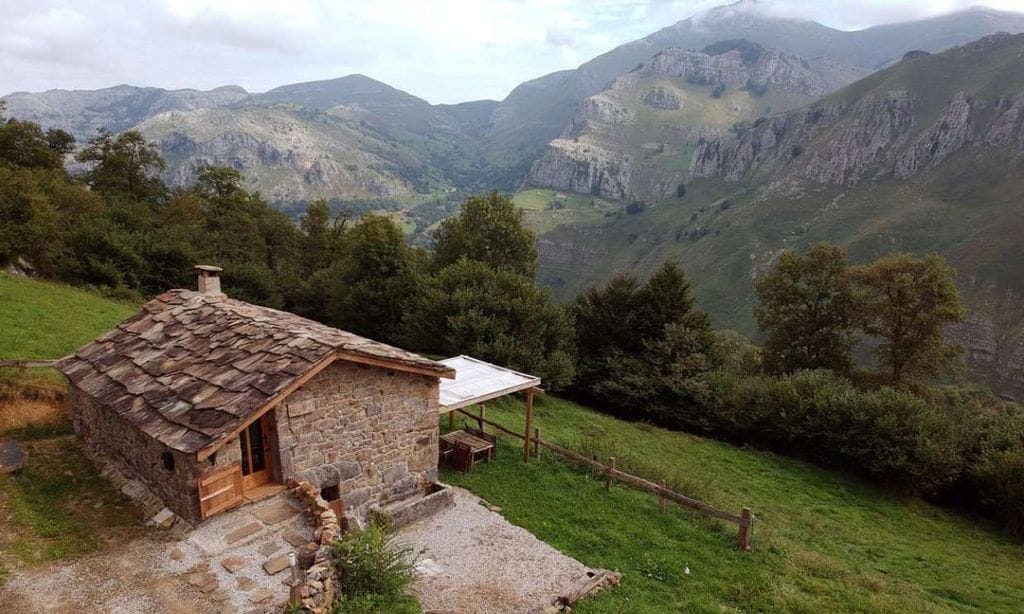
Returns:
(220,490)
(257,459)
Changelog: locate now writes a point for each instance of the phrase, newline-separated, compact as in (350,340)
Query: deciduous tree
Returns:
(908,301)
(488,229)
(806,311)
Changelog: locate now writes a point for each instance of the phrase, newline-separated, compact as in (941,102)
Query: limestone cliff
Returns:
(579,167)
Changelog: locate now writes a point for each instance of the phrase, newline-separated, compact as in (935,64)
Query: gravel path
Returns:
(473,560)
(157,574)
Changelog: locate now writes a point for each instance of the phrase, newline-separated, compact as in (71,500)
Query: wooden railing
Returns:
(27,364)
(745,519)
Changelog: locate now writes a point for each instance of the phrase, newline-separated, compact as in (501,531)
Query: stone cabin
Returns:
(209,401)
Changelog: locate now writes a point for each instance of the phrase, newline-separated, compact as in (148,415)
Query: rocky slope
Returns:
(927,155)
(899,129)
(537,111)
(630,141)
(285,155)
(83,112)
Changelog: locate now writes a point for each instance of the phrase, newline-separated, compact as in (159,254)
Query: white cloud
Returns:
(443,50)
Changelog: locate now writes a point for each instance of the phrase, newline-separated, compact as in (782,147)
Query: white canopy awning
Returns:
(477,381)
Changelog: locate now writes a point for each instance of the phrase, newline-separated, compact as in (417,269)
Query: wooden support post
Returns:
(529,425)
(611,467)
(746,527)
(661,498)
(536,444)
(480,422)
(451,421)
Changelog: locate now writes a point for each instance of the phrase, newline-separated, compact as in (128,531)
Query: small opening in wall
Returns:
(168,460)
(330,493)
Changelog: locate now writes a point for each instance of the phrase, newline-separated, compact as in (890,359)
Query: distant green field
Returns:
(44,320)
(540,216)
(822,541)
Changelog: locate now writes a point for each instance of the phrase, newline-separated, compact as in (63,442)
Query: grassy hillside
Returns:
(45,320)
(823,542)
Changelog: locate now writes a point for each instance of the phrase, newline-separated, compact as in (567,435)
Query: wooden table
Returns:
(465,449)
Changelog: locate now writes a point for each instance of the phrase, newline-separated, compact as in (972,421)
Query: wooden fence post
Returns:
(745,528)
(536,444)
(451,421)
(661,497)
(528,426)
(611,467)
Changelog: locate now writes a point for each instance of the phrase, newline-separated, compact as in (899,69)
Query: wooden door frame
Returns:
(265,475)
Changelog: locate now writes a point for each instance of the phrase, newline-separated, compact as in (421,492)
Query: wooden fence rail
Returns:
(745,520)
(27,364)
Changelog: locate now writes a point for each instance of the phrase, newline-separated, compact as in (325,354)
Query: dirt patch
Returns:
(473,560)
(31,413)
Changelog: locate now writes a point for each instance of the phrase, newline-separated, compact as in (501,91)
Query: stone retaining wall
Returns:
(317,590)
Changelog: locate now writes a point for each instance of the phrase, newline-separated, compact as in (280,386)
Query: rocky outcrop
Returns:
(581,167)
(595,111)
(662,98)
(947,136)
(738,67)
(763,142)
(1007,127)
(840,145)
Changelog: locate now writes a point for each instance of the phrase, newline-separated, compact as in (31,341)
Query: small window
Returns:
(168,460)
(330,493)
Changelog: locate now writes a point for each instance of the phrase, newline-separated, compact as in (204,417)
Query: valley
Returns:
(717,142)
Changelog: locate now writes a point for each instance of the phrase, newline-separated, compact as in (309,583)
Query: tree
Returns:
(488,229)
(908,302)
(642,348)
(373,282)
(807,311)
(493,314)
(321,241)
(124,165)
(25,145)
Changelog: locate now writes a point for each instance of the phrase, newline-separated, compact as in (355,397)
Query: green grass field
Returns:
(44,320)
(822,541)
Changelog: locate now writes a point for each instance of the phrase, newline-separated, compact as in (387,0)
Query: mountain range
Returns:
(718,141)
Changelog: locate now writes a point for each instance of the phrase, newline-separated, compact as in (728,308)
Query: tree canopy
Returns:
(908,302)
(806,310)
(488,229)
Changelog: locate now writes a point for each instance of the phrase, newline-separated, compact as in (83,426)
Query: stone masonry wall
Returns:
(371,430)
(138,454)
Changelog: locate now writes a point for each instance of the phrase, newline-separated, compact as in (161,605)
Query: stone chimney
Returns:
(209,279)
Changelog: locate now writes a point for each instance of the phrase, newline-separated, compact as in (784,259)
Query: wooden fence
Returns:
(27,364)
(745,519)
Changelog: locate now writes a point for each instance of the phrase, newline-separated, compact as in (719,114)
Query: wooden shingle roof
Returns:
(189,369)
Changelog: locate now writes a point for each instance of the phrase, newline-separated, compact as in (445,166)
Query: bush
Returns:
(375,570)
(887,434)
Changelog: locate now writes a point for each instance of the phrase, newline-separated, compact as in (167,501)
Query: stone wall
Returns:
(140,456)
(370,430)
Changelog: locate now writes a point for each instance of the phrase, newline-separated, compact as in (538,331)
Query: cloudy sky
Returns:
(441,50)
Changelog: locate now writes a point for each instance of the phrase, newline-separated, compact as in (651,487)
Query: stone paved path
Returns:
(235,562)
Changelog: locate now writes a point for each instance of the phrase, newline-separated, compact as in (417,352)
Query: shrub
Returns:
(887,434)
(374,568)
